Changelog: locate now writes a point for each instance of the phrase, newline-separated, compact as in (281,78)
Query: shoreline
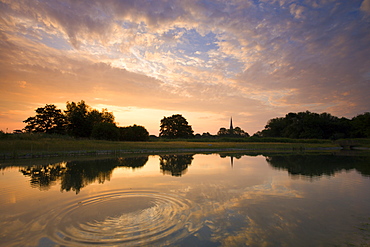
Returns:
(77,153)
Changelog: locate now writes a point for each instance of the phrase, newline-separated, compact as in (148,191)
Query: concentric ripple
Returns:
(123,218)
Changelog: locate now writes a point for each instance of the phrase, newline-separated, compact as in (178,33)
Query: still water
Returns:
(187,200)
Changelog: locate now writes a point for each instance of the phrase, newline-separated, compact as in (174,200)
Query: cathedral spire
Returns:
(231,124)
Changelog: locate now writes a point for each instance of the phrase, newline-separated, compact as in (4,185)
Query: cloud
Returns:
(226,57)
(365,6)
(22,84)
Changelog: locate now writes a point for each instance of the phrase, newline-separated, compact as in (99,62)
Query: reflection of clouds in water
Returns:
(15,228)
(252,235)
(244,216)
(269,189)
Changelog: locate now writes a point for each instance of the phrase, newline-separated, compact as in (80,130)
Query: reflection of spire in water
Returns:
(232,161)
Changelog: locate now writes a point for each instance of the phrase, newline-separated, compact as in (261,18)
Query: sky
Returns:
(209,60)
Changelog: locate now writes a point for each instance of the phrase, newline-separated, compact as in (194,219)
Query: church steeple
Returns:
(231,124)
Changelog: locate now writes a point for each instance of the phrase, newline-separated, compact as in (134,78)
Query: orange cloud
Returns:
(252,61)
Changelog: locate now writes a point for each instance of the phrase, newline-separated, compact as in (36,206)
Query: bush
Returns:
(133,133)
(105,131)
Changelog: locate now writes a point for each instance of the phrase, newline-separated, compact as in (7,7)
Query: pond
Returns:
(187,200)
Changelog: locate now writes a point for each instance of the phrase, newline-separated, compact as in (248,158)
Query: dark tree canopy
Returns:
(76,115)
(48,119)
(222,132)
(105,131)
(81,118)
(78,120)
(308,125)
(235,132)
(133,133)
(361,125)
(175,126)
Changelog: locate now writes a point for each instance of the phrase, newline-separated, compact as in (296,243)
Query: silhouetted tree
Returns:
(235,132)
(81,118)
(206,134)
(76,115)
(105,131)
(307,125)
(175,126)
(274,127)
(361,125)
(133,133)
(95,117)
(222,132)
(48,119)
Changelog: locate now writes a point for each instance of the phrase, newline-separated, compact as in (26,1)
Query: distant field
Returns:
(29,146)
(39,146)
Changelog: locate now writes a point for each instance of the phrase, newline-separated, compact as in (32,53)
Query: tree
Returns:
(94,116)
(307,125)
(175,126)
(133,162)
(105,131)
(48,119)
(206,134)
(274,127)
(76,115)
(133,133)
(175,165)
(82,119)
(222,132)
(235,132)
(361,125)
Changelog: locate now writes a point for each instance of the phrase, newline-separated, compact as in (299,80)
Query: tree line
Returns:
(309,125)
(81,121)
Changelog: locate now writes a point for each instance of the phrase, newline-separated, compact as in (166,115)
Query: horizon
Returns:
(250,60)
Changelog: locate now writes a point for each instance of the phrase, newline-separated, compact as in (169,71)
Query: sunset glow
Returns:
(208,60)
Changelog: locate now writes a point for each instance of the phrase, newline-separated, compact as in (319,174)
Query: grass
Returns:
(32,145)
(358,142)
(252,139)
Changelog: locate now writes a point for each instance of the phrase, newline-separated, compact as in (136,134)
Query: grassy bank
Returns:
(30,146)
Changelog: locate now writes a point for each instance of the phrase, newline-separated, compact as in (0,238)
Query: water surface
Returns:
(187,200)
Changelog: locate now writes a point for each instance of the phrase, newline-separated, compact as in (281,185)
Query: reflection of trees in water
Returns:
(133,162)
(76,175)
(319,165)
(82,173)
(313,165)
(175,165)
(43,177)
(232,156)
